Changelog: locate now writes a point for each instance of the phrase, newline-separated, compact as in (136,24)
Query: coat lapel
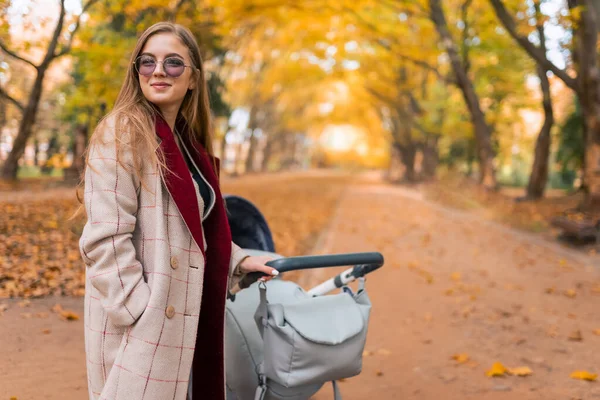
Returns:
(179,181)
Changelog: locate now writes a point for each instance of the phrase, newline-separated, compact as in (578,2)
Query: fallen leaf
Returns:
(571,293)
(57,308)
(497,370)
(461,358)
(550,290)
(379,373)
(596,332)
(426,239)
(552,331)
(26,315)
(455,276)
(46,331)
(367,353)
(69,315)
(584,375)
(384,352)
(24,303)
(520,371)
(576,336)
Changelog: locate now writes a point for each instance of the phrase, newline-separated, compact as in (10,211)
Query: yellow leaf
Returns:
(571,293)
(497,370)
(46,331)
(384,352)
(584,375)
(461,358)
(520,371)
(596,332)
(69,315)
(455,276)
(379,373)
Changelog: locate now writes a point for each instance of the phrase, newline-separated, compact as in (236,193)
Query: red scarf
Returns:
(208,369)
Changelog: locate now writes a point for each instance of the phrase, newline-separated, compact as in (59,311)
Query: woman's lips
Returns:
(160,85)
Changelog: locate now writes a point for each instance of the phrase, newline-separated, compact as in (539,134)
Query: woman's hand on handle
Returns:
(258,264)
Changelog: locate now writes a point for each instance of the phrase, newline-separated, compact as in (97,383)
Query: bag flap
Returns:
(327,320)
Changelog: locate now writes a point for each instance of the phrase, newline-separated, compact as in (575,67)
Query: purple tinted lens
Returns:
(146,66)
(174,67)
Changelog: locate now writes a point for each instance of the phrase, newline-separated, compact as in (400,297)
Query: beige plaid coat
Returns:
(144,281)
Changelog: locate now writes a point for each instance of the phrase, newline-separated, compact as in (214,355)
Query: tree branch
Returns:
(14,101)
(67,48)
(534,52)
(465,36)
(427,66)
(15,55)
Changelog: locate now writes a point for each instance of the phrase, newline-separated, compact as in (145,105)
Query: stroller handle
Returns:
(368,262)
(373,259)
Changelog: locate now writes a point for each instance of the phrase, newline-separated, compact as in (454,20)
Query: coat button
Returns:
(174,262)
(170,312)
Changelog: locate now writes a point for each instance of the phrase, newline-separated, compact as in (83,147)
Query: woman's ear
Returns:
(193,81)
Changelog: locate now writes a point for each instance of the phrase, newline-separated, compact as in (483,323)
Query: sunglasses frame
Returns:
(135,66)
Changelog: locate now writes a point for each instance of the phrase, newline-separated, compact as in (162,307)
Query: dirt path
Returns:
(451,284)
(456,284)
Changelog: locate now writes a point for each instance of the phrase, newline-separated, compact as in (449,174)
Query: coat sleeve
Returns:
(237,255)
(106,245)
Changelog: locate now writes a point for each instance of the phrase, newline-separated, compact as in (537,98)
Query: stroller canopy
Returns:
(249,229)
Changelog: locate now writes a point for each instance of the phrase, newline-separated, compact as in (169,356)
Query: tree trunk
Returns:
(586,37)
(430,157)
(11,165)
(36,151)
(267,152)
(251,156)
(539,170)
(483,133)
(75,172)
(408,153)
(224,148)
(287,151)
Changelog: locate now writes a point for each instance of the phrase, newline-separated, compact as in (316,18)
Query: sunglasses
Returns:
(173,66)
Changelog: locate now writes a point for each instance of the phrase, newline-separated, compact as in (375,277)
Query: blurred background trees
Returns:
(504,92)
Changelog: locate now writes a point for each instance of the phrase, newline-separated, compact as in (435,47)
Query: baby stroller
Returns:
(328,336)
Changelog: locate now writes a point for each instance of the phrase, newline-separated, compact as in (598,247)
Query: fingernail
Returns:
(274,272)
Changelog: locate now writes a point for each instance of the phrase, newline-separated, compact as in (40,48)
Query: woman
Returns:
(157,244)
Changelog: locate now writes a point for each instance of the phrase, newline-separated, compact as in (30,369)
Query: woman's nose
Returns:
(159,70)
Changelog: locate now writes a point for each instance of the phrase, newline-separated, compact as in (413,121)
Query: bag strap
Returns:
(262,311)
(261,390)
(337,395)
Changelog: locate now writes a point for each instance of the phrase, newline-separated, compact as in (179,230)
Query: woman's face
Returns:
(164,71)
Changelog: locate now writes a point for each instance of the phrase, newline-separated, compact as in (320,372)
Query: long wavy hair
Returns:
(134,116)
